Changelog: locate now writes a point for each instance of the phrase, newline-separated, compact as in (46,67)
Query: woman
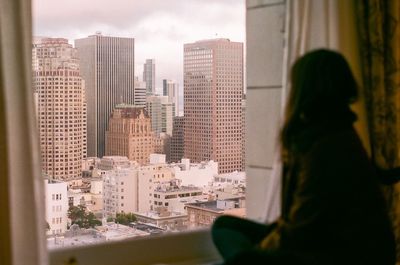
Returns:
(332,208)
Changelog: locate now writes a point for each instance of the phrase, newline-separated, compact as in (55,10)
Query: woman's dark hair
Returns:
(322,88)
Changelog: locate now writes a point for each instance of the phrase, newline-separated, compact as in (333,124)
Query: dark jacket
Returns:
(333,211)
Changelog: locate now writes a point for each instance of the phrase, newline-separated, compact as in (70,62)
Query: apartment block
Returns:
(203,214)
(149,178)
(60,107)
(174,196)
(161,217)
(120,191)
(196,174)
(56,206)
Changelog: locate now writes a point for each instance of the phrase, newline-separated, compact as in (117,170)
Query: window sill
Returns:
(184,248)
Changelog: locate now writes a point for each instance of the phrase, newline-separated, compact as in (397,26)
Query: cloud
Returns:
(160,27)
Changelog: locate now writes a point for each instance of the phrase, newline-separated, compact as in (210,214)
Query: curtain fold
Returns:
(313,24)
(379,29)
(24,211)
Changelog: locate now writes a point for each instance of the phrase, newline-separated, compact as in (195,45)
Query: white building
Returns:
(56,206)
(148,180)
(229,185)
(120,191)
(172,195)
(196,174)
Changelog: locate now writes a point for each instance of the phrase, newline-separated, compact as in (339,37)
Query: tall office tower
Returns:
(213,90)
(149,76)
(129,134)
(161,112)
(177,141)
(244,129)
(170,89)
(60,108)
(140,93)
(107,66)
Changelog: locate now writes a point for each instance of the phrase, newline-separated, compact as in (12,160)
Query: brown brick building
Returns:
(129,134)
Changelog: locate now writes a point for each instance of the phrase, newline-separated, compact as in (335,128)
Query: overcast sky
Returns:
(160,27)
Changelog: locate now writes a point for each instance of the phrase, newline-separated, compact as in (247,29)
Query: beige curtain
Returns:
(313,24)
(22,219)
(380,48)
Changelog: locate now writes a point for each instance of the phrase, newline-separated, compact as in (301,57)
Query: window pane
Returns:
(141,125)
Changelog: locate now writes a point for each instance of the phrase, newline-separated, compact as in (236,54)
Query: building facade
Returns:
(120,191)
(149,76)
(149,178)
(161,112)
(60,107)
(171,90)
(203,214)
(56,206)
(213,92)
(177,142)
(130,134)
(107,66)
(140,93)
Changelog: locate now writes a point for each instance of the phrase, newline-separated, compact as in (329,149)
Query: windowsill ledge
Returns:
(184,248)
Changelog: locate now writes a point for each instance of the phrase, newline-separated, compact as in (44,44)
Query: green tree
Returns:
(81,217)
(125,218)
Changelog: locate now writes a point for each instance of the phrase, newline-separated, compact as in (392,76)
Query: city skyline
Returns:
(160,28)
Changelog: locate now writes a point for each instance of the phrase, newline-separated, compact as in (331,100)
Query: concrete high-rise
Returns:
(177,142)
(170,89)
(213,92)
(149,76)
(60,108)
(140,93)
(129,134)
(161,112)
(107,66)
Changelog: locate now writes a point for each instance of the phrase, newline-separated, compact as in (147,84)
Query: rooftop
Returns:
(215,206)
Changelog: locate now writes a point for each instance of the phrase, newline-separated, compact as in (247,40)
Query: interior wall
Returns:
(265,24)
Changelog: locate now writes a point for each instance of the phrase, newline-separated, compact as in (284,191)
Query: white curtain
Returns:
(24,213)
(313,24)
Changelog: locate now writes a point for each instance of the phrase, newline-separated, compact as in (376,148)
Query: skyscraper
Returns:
(161,112)
(177,141)
(60,108)
(213,91)
(149,76)
(170,89)
(140,93)
(129,134)
(107,66)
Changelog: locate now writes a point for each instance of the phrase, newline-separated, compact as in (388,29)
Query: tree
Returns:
(81,217)
(125,218)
